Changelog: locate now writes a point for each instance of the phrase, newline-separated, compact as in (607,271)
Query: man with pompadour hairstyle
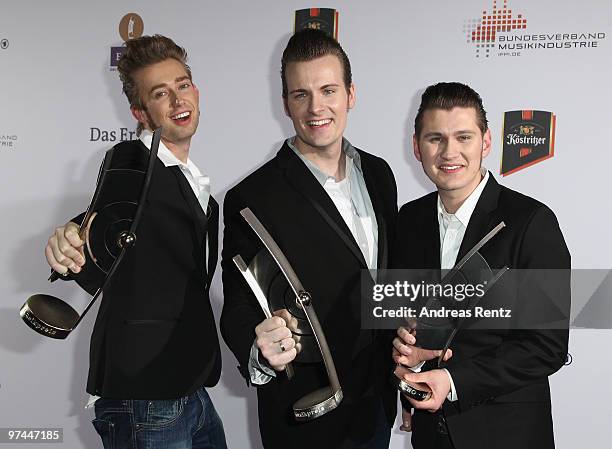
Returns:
(493,392)
(154,346)
(331,208)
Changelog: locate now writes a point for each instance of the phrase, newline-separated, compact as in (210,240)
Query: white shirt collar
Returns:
(163,153)
(464,213)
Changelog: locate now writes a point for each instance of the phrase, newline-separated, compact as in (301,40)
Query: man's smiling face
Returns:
(451,147)
(318,102)
(169,99)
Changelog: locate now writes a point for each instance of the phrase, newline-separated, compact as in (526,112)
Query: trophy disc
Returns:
(49,316)
(316,404)
(111,221)
(280,296)
(118,203)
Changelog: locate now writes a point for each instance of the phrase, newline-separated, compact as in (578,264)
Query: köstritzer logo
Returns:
(529,138)
(324,19)
(131,27)
(4,44)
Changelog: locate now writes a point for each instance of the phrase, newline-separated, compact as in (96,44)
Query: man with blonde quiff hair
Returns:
(154,347)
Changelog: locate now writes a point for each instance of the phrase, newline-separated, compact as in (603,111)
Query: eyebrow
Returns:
(294,91)
(439,134)
(327,86)
(177,80)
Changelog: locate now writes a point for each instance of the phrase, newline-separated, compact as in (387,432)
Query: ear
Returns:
(415,147)
(140,116)
(351,96)
(486,143)
(286,106)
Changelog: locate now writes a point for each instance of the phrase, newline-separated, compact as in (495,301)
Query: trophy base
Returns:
(316,404)
(49,316)
(410,390)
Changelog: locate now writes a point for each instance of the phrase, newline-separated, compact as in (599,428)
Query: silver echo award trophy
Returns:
(263,275)
(118,204)
(437,333)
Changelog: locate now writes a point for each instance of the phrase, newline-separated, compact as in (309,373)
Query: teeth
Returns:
(450,167)
(318,122)
(181,115)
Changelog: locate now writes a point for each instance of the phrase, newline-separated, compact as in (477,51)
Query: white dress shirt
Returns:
(452,231)
(199,183)
(360,226)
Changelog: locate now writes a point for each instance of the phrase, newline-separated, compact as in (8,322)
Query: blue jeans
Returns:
(190,422)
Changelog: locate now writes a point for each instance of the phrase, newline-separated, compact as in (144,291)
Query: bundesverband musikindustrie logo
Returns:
(502,31)
(529,138)
(131,27)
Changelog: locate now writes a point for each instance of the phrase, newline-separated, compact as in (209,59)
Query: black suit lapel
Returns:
(300,177)
(377,204)
(480,221)
(200,220)
(212,230)
(431,235)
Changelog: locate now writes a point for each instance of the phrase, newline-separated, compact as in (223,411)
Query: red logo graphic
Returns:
(483,31)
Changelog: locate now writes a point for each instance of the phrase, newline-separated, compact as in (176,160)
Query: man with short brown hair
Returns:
(493,392)
(331,208)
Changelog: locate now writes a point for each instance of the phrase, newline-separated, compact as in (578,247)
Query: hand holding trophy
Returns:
(276,341)
(410,351)
(274,334)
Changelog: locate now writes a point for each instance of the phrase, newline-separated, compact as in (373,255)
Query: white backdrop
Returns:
(57,85)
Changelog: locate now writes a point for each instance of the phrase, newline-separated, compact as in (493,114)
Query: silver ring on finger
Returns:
(282,346)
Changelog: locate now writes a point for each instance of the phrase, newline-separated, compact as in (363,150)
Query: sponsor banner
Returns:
(111,135)
(502,30)
(528,138)
(131,26)
(324,19)
(8,141)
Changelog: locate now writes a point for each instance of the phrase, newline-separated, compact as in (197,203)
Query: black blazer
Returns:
(501,376)
(155,336)
(303,220)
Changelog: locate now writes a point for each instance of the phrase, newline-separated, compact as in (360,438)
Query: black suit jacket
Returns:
(303,220)
(155,334)
(501,376)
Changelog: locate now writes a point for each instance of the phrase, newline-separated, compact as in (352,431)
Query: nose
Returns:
(449,149)
(315,105)
(175,98)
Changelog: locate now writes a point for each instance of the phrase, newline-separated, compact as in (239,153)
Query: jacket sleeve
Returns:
(241,313)
(525,356)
